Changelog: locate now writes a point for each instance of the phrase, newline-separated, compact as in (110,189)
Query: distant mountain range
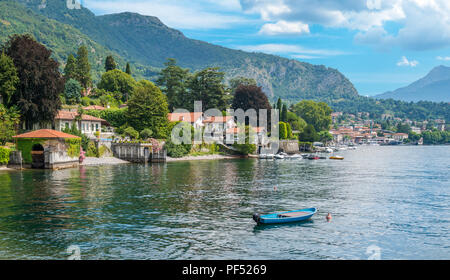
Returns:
(433,87)
(146,43)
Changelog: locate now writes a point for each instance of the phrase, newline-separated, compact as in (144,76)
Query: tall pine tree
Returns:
(173,82)
(110,64)
(70,71)
(128,69)
(83,67)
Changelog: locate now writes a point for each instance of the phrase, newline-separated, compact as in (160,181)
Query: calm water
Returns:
(394,198)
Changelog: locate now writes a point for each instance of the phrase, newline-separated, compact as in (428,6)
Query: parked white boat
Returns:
(279,156)
(296,156)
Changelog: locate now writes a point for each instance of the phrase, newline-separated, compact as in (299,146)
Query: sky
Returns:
(380,45)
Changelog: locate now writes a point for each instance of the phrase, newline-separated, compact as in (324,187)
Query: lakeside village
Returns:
(53,120)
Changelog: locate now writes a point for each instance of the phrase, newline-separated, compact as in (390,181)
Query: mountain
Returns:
(433,87)
(62,39)
(146,42)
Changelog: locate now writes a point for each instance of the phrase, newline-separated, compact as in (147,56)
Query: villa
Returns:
(195,119)
(88,125)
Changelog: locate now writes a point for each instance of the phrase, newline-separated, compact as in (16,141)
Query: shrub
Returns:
(245,149)
(146,133)
(4,155)
(92,150)
(131,132)
(177,151)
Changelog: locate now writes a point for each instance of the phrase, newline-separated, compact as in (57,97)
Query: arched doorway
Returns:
(37,156)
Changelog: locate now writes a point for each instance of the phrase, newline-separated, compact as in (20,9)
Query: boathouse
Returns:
(46,149)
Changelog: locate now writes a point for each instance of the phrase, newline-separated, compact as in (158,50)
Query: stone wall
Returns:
(289,146)
(137,152)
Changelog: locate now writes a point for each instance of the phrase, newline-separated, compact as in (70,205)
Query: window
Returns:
(92,127)
(96,126)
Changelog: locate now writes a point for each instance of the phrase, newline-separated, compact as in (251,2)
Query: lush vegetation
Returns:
(4,155)
(9,120)
(37,98)
(177,150)
(26,145)
(435,137)
(73,147)
(63,38)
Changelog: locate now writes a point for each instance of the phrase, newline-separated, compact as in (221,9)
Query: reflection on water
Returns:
(396,198)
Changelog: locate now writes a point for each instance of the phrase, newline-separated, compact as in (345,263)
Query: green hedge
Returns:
(4,155)
(115,117)
(25,145)
(73,149)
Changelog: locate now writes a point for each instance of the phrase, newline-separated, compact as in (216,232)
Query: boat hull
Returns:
(276,218)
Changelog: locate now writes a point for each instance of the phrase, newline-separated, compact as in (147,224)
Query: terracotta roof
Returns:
(45,133)
(188,117)
(259,129)
(215,119)
(66,115)
(232,130)
(94,107)
(236,130)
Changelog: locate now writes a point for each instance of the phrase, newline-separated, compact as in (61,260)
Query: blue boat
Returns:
(285,217)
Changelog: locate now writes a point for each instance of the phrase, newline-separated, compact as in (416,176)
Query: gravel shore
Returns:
(103,161)
(205,157)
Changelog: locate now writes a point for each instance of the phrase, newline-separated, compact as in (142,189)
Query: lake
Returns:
(388,202)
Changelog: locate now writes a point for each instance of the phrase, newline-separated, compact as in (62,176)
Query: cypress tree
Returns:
(284,113)
(70,71)
(110,64)
(83,67)
(128,69)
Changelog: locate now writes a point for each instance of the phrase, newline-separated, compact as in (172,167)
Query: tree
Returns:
(8,78)
(147,108)
(248,147)
(118,83)
(70,71)
(240,81)
(110,64)
(146,134)
(206,86)
(325,137)
(284,111)
(283,130)
(295,121)
(173,82)
(9,120)
(131,132)
(72,91)
(40,81)
(403,128)
(128,69)
(317,114)
(309,134)
(83,67)
(250,97)
(279,106)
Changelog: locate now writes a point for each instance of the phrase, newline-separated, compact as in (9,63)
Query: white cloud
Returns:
(405,62)
(293,51)
(283,27)
(443,58)
(413,24)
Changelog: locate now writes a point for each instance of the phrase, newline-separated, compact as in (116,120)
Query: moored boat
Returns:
(285,217)
(337,157)
(279,156)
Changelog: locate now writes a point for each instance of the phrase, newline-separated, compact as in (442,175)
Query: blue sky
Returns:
(379,45)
